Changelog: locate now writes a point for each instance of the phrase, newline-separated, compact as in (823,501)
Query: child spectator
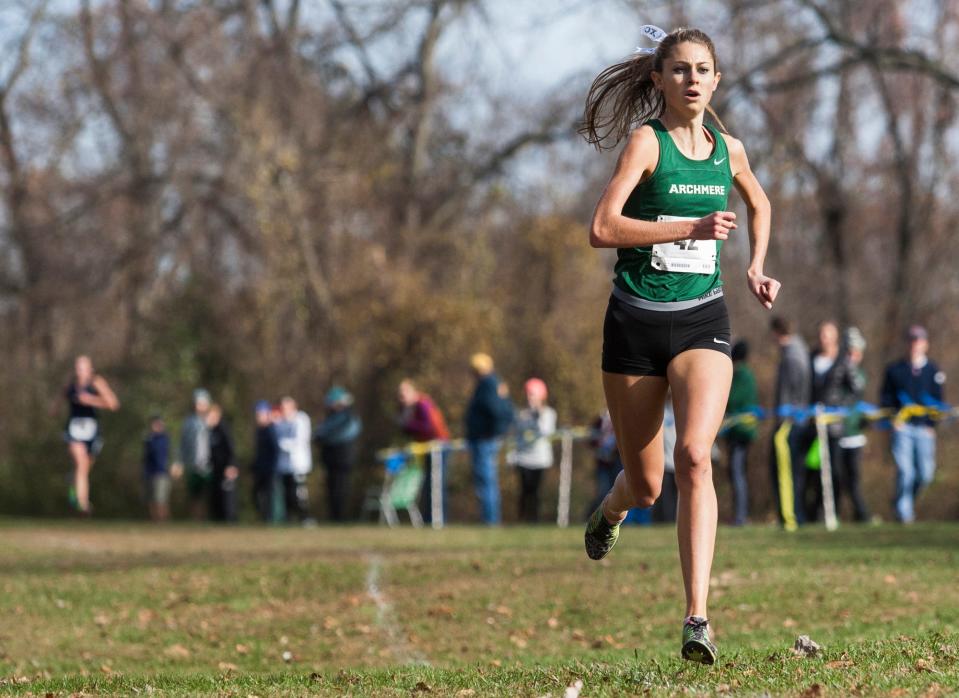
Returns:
(156,451)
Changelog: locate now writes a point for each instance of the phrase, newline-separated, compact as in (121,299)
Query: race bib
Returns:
(684,256)
(82,429)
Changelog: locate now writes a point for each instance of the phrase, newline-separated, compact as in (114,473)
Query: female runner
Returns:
(666,327)
(87,393)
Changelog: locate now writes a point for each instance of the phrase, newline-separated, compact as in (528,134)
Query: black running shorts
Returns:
(640,342)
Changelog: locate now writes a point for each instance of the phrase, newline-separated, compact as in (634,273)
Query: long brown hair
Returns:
(623,96)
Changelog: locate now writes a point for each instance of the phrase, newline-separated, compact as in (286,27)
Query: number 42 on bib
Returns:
(684,256)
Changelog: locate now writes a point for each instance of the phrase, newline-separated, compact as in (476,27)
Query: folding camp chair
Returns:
(401,490)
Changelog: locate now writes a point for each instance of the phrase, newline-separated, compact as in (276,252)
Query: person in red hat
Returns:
(533,453)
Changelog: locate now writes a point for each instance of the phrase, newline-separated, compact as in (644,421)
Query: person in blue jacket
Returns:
(914,380)
(156,478)
(489,416)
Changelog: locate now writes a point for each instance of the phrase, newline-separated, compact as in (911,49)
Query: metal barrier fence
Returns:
(790,416)
(436,450)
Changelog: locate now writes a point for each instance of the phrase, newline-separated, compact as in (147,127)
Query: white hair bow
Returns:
(653,33)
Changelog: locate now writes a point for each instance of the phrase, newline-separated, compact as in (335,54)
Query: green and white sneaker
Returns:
(601,535)
(697,646)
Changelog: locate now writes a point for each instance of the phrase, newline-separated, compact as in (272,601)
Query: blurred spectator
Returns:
(422,421)
(156,452)
(664,510)
(295,459)
(194,460)
(914,380)
(336,437)
(223,505)
(743,400)
(488,416)
(86,393)
(533,453)
(827,373)
(606,452)
(792,392)
(837,381)
(847,461)
(265,457)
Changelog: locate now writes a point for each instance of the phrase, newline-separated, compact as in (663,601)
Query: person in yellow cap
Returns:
(488,416)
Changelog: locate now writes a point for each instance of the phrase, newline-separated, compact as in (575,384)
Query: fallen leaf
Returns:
(889,579)
(518,640)
(242,649)
(227,666)
(440,611)
(177,651)
(144,617)
(553,623)
(839,664)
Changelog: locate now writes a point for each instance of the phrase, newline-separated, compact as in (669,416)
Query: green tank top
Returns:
(678,187)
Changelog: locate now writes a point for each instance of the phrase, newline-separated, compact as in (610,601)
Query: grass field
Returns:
(100,609)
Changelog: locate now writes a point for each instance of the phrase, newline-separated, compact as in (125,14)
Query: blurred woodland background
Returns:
(267,197)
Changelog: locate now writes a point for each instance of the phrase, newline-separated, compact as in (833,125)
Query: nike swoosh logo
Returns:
(719,341)
(720,161)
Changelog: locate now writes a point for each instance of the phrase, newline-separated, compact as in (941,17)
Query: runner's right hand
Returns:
(715,226)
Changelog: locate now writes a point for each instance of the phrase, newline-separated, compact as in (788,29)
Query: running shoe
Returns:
(601,535)
(697,646)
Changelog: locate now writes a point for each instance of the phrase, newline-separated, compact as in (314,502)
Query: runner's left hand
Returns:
(765,288)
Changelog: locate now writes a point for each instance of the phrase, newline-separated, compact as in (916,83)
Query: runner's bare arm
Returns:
(759,217)
(106,399)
